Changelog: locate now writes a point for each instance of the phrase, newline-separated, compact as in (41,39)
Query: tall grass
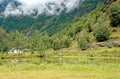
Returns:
(61,71)
(71,65)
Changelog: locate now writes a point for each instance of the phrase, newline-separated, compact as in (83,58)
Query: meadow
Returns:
(71,65)
(64,71)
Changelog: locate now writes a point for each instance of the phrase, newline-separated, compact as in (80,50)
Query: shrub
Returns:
(115,15)
(83,40)
(61,41)
(102,32)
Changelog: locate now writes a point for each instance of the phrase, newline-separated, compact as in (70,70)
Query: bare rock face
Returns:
(115,44)
(101,44)
(105,44)
(109,45)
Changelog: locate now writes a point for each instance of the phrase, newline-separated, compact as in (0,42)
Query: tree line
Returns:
(97,23)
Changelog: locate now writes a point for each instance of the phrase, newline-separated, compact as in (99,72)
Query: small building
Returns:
(15,51)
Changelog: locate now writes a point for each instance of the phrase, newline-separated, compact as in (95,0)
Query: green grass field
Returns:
(72,65)
(60,71)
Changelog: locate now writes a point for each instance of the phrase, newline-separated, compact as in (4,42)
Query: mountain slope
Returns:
(104,20)
(43,23)
(96,29)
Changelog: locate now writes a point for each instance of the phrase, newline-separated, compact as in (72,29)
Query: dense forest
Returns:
(94,26)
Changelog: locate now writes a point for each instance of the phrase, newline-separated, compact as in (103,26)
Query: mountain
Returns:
(44,23)
(90,26)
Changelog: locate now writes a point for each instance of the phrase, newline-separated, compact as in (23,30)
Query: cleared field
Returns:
(60,71)
(104,64)
(57,75)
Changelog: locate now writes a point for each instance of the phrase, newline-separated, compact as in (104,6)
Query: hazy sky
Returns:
(0,0)
(49,7)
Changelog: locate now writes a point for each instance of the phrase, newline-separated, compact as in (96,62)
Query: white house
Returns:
(15,51)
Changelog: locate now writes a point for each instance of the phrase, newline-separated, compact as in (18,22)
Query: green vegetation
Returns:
(60,42)
(115,14)
(70,66)
(50,24)
(102,32)
(64,71)
(83,40)
(96,24)
(56,54)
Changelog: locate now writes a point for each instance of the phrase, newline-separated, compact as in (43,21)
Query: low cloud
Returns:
(1,0)
(37,7)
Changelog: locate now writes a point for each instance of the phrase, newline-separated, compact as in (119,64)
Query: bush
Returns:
(61,41)
(83,40)
(102,32)
(115,15)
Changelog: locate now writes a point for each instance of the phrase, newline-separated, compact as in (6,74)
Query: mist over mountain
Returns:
(49,16)
(37,7)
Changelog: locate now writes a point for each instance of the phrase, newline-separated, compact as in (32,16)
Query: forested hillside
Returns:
(99,25)
(43,23)
(59,39)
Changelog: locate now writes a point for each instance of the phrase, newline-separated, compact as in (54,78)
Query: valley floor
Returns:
(88,71)
(105,64)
